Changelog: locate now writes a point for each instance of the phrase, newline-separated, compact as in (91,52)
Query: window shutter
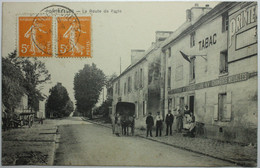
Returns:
(215,117)
(228,112)
(229,98)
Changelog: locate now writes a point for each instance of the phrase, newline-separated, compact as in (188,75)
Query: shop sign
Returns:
(243,18)
(217,82)
(208,41)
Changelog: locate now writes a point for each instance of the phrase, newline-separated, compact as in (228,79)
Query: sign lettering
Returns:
(217,82)
(244,18)
(208,41)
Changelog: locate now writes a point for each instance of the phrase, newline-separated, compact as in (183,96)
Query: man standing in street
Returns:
(159,122)
(169,122)
(149,123)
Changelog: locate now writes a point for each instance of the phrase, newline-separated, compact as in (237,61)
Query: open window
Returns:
(223,66)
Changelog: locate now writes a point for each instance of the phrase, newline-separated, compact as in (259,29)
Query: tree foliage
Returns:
(88,84)
(103,109)
(12,84)
(35,74)
(58,103)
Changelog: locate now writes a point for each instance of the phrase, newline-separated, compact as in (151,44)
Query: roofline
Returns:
(213,12)
(141,60)
(137,50)
(161,31)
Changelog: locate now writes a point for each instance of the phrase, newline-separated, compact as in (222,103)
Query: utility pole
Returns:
(120,65)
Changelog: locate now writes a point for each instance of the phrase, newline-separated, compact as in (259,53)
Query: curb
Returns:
(54,146)
(179,147)
(190,150)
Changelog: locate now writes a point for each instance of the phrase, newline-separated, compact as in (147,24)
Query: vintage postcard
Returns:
(151,84)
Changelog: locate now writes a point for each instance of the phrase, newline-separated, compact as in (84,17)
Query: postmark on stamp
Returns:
(35,37)
(55,31)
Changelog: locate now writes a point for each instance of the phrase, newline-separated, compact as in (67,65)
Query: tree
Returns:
(58,103)
(12,84)
(88,84)
(109,86)
(35,74)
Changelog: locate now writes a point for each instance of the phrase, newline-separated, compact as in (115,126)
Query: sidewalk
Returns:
(232,152)
(29,146)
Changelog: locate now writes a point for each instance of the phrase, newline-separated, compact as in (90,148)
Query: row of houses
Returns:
(209,63)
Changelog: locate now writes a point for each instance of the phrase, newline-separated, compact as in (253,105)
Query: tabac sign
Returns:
(241,19)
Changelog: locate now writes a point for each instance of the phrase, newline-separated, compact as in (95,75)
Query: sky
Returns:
(113,34)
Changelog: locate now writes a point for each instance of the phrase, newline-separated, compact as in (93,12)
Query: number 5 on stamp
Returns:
(35,37)
(74,36)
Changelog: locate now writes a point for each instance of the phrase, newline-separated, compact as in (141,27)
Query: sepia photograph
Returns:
(127,83)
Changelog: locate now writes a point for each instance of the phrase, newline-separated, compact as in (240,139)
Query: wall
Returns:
(41,112)
(23,104)
(240,124)
(146,97)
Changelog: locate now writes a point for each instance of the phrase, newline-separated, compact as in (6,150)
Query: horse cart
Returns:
(126,111)
(18,120)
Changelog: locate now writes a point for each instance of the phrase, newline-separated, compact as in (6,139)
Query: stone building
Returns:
(23,104)
(139,83)
(216,73)
(41,112)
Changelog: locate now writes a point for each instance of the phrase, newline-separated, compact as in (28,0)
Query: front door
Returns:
(191,105)
(182,104)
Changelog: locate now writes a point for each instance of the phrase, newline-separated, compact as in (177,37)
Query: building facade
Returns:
(210,64)
(140,82)
(23,104)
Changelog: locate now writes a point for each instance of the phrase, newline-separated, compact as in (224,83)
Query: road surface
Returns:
(83,143)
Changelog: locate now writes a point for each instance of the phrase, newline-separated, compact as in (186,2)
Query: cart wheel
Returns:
(30,121)
(15,125)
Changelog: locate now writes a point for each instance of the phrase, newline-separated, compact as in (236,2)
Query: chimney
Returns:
(188,15)
(162,35)
(196,11)
(136,55)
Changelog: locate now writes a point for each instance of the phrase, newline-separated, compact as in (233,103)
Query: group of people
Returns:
(184,121)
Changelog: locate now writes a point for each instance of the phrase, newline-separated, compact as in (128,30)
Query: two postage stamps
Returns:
(55,31)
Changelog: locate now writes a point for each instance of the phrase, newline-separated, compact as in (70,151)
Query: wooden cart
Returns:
(126,111)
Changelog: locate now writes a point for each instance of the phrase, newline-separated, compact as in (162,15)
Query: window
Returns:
(136,109)
(141,78)
(144,108)
(169,77)
(169,52)
(192,68)
(170,104)
(222,111)
(136,81)
(125,88)
(222,105)
(223,66)
(129,84)
(118,87)
(225,22)
(192,39)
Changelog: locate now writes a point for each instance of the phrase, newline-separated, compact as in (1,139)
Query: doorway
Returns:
(182,104)
(191,104)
